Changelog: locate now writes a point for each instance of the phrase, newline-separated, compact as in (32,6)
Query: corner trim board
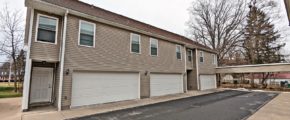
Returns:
(27,76)
(197,69)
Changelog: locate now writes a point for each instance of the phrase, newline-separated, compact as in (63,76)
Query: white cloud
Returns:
(169,15)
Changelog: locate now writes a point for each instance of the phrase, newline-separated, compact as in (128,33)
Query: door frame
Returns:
(44,65)
(50,82)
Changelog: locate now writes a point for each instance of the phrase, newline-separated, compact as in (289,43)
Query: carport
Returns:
(251,69)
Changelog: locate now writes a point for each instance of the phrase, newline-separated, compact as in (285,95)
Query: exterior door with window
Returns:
(41,85)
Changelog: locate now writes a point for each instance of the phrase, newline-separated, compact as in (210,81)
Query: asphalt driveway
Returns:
(226,105)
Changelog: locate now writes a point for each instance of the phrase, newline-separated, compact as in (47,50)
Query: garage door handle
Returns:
(49,86)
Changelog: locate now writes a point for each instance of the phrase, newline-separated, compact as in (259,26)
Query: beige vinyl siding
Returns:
(45,51)
(27,25)
(207,67)
(112,53)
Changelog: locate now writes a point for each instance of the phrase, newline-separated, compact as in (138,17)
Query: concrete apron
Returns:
(51,114)
(277,109)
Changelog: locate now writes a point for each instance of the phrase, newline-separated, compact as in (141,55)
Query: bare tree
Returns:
(20,63)
(11,27)
(217,24)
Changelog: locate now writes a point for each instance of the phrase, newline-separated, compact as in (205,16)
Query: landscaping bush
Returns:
(4,88)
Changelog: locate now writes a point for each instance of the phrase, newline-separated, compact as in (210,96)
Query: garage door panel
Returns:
(95,88)
(207,82)
(163,84)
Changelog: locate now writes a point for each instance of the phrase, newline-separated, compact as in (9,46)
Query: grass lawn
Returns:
(7,91)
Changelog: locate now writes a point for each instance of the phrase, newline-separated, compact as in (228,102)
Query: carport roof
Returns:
(257,68)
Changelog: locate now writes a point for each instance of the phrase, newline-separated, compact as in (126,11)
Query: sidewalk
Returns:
(277,109)
(79,112)
(10,108)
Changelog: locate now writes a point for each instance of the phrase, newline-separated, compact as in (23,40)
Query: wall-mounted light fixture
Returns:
(146,73)
(67,71)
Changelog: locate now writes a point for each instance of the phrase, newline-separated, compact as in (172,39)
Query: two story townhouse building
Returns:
(79,54)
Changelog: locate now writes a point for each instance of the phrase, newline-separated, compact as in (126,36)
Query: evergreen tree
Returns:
(261,39)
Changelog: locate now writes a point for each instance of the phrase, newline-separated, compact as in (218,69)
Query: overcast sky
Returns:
(170,15)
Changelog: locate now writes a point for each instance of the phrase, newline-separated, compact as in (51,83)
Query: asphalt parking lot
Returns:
(226,105)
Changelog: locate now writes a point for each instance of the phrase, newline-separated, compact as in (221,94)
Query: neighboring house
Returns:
(4,72)
(79,55)
(275,78)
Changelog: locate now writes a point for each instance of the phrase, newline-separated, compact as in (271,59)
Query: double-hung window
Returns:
(189,55)
(178,52)
(47,29)
(87,34)
(135,43)
(201,57)
(153,47)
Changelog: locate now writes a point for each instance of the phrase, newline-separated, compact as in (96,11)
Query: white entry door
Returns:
(41,85)
(207,82)
(164,84)
(89,88)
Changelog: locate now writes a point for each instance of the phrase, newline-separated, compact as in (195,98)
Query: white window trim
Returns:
(190,55)
(131,37)
(201,55)
(180,52)
(56,29)
(79,34)
(151,39)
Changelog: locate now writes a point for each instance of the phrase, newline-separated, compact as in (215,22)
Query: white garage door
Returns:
(103,87)
(207,82)
(163,84)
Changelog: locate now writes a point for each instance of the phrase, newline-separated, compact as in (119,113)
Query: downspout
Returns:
(185,70)
(26,85)
(62,62)
(197,69)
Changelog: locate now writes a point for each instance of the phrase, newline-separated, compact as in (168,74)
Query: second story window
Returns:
(87,34)
(201,57)
(178,52)
(153,47)
(189,55)
(47,29)
(135,43)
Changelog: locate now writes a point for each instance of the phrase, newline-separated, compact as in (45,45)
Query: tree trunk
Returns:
(252,80)
(15,79)
(264,80)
